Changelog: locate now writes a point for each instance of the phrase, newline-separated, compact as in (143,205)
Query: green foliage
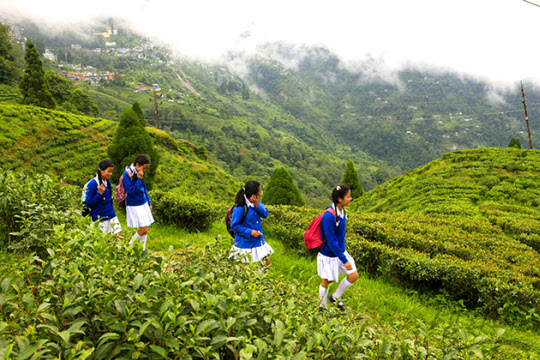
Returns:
(281,190)
(10,64)
(30,206)
(130,140)
(350,177)
(471,259)
(83,103)
(515,143)
(95,298)
(34,85)
(188,213)
(139,111)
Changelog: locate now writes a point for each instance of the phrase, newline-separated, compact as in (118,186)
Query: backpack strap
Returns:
(330,210)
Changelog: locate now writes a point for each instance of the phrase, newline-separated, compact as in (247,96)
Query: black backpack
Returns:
(228,219)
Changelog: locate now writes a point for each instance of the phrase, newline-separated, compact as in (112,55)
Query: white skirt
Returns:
(329,268)
(257,254)
(139,216)
(111,226)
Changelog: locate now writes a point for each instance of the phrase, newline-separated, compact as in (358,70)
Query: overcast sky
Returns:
(495,40)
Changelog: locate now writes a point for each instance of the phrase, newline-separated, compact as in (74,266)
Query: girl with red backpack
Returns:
(333,258)
(138,206)
(98,199)
(249,238)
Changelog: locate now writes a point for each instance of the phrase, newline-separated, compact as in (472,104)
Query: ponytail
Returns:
(251,188)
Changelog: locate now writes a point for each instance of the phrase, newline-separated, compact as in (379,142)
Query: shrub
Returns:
(188,213)
(94,298)
(30,205)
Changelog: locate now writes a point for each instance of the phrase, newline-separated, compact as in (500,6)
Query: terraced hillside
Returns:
(71,146)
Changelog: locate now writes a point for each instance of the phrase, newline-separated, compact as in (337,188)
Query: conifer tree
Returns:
(518,143)
(34,85)
(130,140)
(512,143)
(281,190)
(139,111)
(350,177)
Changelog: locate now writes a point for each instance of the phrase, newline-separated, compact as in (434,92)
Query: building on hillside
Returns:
(49,55)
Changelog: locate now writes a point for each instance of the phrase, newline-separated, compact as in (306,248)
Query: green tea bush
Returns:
(185,212)
(100,299)
(469,258)
(30,205)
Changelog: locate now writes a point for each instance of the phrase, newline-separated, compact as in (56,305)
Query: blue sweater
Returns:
(334,246)
(94,200)
(136,192)
(243,238)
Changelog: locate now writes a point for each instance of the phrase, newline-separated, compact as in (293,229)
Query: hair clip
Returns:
(338,187)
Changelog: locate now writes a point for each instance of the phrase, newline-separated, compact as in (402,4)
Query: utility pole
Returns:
(526,117)
(156,108)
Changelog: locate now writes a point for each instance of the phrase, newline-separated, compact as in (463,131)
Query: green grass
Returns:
(381,303)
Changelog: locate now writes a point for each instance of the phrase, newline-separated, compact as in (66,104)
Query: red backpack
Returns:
(120,194)
(313,235)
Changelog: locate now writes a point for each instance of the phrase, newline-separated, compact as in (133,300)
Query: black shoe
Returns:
(339,305)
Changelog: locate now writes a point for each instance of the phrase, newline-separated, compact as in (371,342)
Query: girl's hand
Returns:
(255,233)
(140,174)
(101,189)
(348,265)
(150,207)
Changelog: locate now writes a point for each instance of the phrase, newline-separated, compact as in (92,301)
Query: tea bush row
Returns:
(185,212)
(471,259)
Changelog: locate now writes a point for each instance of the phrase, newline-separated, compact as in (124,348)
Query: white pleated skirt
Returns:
(139,216)
(329,268)
(257,254)
(111,226)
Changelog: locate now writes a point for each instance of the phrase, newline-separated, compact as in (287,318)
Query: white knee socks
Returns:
(141,237)
(323,295)
(343,285)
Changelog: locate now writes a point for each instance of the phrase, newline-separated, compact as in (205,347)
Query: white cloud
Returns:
(492,39)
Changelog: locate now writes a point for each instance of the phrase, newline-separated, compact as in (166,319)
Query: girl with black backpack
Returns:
(249,238)
(99,199)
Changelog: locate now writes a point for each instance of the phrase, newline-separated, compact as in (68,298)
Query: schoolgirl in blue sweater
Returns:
(249,237)
(138,205)
(333,258)
(99,199)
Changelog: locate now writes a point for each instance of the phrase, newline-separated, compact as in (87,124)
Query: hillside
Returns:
(71,146)
(463,183)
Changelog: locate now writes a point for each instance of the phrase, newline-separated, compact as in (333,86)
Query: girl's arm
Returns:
(131,188)
(262,210)
(236,225)
(328,229)
(92,196)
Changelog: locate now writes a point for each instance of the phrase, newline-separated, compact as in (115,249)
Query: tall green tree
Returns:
(83,103)
(350,177)
(281,190)
(512,143)
(10,63)
(130,140)
(139,111)
(34,85)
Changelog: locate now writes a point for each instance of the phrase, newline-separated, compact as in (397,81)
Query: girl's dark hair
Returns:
(251,188)
(141,159)
(339,192)
(103,166)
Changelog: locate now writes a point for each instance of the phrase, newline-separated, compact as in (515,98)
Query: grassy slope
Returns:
(71,146)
